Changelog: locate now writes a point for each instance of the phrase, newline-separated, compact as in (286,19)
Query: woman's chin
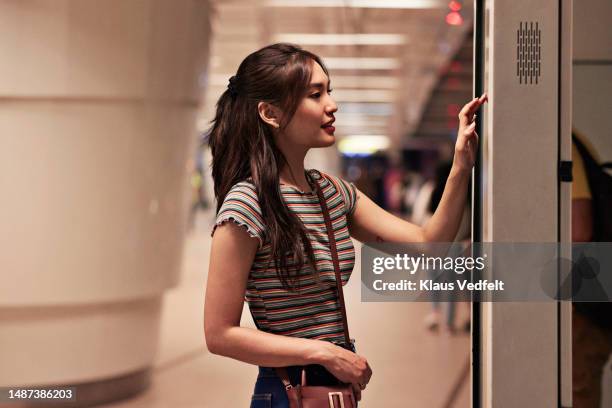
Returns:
(327,140)
(321,140)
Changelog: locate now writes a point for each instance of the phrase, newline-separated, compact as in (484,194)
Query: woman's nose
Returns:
(331,107)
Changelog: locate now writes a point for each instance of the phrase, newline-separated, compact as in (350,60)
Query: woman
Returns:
(269,239)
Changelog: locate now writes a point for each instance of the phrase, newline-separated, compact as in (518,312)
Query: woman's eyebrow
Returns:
(319,85)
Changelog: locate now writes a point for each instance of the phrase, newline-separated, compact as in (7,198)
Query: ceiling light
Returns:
(341,39)
(361,63)
(454,18)
(372,109)
(365,95)
(392,4)
(346,86)
(365,81)
(363,144)
(454,5)
(359,120)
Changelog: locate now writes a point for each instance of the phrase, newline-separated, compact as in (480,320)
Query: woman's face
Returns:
(310,126)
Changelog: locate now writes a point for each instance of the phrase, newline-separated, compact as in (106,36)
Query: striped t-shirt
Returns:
(313,312)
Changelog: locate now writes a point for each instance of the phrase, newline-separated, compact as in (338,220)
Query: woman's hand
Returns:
(348,367)
(466,146)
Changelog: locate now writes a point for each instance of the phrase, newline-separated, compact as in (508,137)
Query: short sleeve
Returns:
(580,185)
(348,191)
(241,206)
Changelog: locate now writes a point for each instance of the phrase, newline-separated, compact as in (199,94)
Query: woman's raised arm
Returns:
(370,223)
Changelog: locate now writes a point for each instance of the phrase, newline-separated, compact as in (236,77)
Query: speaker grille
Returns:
(528,53)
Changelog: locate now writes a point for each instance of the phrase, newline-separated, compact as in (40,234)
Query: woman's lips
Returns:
(329,129)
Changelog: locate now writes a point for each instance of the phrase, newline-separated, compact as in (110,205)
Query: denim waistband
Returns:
(295,371)
(315,375)
(270,372)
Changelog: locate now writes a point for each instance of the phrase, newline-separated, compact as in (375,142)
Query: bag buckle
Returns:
(331,396)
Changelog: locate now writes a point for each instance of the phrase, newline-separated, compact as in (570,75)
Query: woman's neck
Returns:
(293,173)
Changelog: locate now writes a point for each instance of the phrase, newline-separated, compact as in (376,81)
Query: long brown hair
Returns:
(243,146)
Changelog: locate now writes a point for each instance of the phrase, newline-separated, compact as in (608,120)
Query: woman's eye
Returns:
(318,94)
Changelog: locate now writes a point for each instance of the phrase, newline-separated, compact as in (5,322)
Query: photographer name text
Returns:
(431,285)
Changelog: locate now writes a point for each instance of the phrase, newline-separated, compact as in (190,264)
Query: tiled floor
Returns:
(412,367)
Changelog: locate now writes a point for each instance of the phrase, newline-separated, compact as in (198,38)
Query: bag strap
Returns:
(281,371)
(334,254)
(284,376)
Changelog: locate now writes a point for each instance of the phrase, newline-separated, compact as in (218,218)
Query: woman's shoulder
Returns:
(245,193)
(345,188)
(321,175)
(241,206)
(244,187)
(326,177)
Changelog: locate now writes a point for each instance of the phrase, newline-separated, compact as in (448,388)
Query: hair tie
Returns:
(233,86)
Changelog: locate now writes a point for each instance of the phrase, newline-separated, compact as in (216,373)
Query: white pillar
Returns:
(98,102)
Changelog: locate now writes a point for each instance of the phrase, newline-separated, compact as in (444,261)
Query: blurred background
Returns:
(107,195)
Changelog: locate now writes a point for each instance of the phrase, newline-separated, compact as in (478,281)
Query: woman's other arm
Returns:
(232,255)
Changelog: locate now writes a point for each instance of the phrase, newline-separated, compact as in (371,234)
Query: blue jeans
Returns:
(269,389)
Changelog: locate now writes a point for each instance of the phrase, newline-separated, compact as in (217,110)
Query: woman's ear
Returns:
(269,114)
